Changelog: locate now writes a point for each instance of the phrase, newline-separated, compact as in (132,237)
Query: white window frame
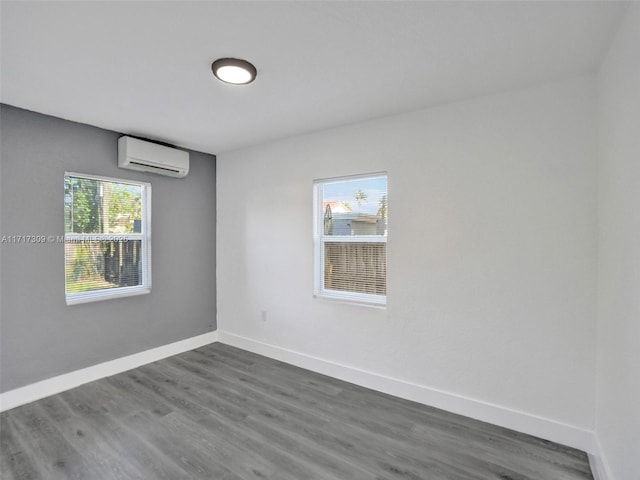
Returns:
(320,239)
(144,236)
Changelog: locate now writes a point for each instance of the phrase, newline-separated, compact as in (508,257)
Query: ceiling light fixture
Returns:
(234,70)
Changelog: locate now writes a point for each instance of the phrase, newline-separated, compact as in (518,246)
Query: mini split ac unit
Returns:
(143,156)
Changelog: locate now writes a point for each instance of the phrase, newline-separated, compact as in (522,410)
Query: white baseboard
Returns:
(67,381)
(520,421)
(599,464)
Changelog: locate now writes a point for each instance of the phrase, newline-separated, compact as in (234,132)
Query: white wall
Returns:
(618,373)
(492,251)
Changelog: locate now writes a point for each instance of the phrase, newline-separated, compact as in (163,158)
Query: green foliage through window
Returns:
(96,206)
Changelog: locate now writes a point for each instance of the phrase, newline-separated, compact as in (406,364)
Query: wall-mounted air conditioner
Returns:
(135,154)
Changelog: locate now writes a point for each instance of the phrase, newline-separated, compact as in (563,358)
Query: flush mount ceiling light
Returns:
(234,70)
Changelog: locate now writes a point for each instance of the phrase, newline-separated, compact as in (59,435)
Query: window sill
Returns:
(370,301)
(88,297)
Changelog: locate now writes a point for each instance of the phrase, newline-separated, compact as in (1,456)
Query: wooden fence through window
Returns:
(359,267)
(121,260)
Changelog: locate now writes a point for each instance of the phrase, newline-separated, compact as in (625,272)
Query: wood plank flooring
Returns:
(222,413)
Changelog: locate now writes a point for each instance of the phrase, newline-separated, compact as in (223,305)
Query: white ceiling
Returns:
(143,68)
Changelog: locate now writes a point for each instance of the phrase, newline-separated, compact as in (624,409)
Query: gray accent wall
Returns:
(41,337)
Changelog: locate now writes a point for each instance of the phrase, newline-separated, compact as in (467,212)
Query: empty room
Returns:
(320,240)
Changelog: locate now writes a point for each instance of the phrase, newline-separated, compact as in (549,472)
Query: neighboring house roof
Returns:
(336,207)
(356,217)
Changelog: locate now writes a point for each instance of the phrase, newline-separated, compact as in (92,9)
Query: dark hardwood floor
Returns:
(222,413)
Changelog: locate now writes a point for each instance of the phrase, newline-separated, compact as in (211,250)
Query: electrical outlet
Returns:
(263,315)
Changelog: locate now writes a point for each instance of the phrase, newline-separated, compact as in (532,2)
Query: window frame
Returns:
(319,240)
(75,298)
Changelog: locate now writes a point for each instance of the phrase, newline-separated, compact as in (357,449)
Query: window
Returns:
(351,238)
(106,238)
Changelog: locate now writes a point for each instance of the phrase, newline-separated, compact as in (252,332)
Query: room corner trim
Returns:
(516,420)
(67,381)
(598,461)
